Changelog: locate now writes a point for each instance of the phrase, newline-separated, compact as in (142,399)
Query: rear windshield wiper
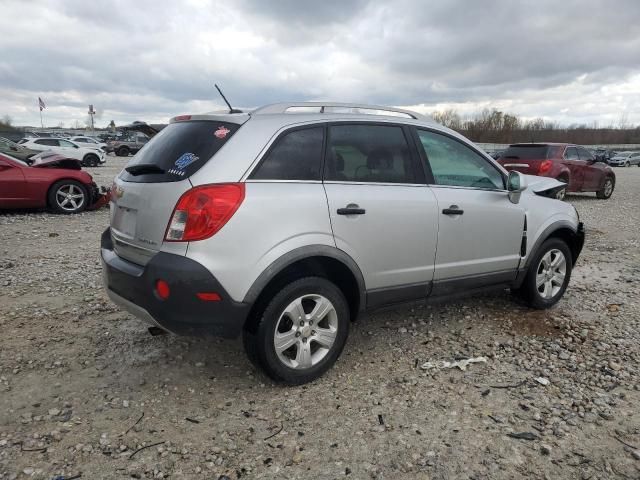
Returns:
(143,168)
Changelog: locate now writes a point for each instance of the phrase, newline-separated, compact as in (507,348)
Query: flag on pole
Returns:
(41,103)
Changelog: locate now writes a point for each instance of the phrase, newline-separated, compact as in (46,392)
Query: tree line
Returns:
(494,126)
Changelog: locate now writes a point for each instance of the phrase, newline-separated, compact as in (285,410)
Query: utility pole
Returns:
(92,112)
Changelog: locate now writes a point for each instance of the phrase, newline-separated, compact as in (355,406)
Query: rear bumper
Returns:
(132,287)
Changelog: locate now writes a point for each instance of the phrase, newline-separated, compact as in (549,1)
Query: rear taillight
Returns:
(545,166)
(202,211)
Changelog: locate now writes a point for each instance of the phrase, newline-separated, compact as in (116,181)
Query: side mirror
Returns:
(516,184)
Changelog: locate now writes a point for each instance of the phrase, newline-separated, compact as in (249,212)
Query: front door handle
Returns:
(453,210)
(351,209)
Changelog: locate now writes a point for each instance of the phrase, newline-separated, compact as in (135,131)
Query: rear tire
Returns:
(309,319)
(607,189)
(68,196)
(90,160)
(548,275)
(122,152)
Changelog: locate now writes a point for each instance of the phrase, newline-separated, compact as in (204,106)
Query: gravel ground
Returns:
(83,386)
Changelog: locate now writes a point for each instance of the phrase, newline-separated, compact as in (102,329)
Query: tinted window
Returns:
(296,155)
(571,153)
(585,154)
(179,151)
(47,141)
(368,153)
(453,163)
(65,143)
(526,152)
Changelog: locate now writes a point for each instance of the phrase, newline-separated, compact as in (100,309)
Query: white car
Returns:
(89,142)
(90,157)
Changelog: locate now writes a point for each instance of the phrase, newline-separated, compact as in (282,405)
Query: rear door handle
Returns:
(453,210)
(351,209)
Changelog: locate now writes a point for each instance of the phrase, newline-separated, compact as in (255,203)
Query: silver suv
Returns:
(285,223)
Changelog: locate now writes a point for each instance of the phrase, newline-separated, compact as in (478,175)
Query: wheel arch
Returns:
(316,260)
(565,231)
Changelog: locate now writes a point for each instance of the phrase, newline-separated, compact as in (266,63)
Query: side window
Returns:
(571,153)
(584,154)
(64,143)
(47,141)
(453,163)
(368,153)
(296,156)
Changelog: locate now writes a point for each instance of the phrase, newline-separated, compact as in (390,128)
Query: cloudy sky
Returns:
(569,61)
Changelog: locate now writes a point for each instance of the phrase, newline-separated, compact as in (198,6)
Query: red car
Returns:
(572,164)
(53,181)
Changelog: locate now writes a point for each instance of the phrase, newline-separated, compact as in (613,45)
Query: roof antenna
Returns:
(231,109)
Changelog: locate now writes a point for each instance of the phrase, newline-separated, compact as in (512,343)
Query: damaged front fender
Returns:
(545,186)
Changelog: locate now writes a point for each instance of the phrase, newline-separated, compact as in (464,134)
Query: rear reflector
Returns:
(162,289)
(202,211)
(208,296)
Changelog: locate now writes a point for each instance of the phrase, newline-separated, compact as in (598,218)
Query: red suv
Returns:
(572,164)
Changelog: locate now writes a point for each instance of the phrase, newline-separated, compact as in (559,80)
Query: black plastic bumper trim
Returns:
(182,313)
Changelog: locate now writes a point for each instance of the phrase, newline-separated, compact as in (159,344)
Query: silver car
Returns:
(284,224)
(625,159)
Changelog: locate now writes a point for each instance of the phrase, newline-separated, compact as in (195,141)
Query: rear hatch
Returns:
(529,158)
(147,190)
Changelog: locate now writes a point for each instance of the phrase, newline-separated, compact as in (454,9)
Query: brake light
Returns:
(181,118)
(202,211)
(545,166)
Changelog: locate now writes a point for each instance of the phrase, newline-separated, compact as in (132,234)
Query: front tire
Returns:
(627,164)
(122,152)
(548,275)
(607,189)
(301,332)
(68,196)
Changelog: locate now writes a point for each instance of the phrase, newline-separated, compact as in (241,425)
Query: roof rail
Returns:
(334,107)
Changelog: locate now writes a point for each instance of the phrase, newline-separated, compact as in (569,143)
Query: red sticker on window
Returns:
(221,132)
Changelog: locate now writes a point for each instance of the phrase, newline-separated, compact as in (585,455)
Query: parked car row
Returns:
(573,165)
(89,154)
(625,159)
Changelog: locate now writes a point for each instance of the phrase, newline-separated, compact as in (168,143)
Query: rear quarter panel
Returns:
(274,218)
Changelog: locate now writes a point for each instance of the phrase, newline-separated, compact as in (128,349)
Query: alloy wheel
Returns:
(608,187)
(70,197)
(306,331)
(551,273)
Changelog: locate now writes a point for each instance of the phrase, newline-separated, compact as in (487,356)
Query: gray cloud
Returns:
(572,61)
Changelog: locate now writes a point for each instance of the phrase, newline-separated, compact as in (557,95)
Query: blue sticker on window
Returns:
(183,162)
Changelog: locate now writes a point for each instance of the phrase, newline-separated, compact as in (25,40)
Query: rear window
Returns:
(178,151)
(526,152)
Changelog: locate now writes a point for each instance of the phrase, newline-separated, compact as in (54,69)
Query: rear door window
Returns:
(571,153)
(296,155)
(369,154)
(178,151)
(47,141)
